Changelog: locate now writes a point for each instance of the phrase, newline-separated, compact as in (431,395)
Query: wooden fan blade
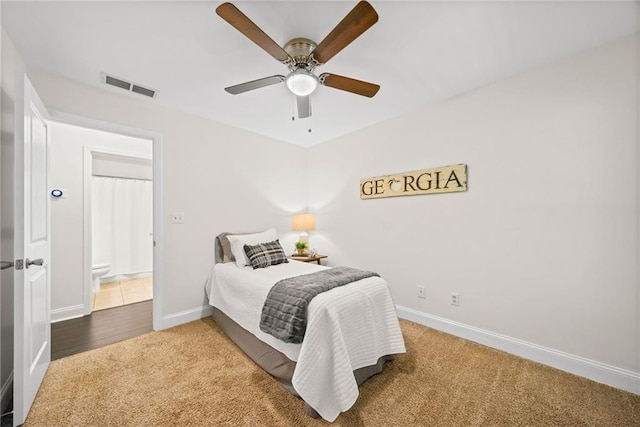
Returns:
(359,20)
(254,84)
(304,106)
(350,85)
(240,22)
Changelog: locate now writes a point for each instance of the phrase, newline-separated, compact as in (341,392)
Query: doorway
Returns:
(97,147)
(121,216)
(75,152)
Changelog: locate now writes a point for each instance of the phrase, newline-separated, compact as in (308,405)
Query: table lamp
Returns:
(303,222)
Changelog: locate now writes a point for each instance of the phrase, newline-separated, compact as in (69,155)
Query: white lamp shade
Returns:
(301,82)
(303,222)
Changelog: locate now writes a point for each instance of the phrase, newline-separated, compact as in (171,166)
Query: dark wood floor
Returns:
(100,328)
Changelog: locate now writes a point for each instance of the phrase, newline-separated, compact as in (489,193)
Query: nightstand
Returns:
(316,258)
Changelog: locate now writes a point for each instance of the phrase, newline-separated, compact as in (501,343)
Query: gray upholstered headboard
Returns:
(220,242)
(222,248)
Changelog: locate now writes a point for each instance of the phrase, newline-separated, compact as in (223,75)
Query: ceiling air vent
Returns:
(128,86)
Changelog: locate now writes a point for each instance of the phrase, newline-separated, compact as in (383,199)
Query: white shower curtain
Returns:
(122,224)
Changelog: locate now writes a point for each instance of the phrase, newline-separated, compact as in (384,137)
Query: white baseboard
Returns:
(171,320)
(124,277)
(66,313)
(6,393)
(596,371)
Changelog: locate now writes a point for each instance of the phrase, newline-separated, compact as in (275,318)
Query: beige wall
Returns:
(543,247)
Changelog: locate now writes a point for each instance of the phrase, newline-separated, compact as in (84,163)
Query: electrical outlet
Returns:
(421,293)
(177,218)
(455,299)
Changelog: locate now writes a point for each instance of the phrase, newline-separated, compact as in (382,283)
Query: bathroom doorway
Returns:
(121,229)
(104,254)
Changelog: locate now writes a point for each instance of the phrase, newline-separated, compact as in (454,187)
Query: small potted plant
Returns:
(300,247)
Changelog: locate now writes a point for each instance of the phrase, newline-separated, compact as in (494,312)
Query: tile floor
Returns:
(115,294)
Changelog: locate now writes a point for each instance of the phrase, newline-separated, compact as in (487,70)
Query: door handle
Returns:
(37,261)
(5,264)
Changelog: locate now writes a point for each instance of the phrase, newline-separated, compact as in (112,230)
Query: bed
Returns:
(351,330)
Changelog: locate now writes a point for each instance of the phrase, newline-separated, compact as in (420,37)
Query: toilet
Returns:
(97,271)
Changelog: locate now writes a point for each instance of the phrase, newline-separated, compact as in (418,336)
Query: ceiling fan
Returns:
(302,55)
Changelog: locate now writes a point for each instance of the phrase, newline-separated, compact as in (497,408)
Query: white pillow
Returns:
(239,240)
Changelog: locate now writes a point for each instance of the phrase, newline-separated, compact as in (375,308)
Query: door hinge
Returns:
(19,264)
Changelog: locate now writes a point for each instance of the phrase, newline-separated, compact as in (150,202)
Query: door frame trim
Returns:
(156,140)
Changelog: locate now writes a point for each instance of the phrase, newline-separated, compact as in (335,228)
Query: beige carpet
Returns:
(192,375)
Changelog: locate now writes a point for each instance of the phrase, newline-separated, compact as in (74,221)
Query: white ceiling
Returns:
(421,53)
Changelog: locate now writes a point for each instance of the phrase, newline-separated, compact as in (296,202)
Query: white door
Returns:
(32,328)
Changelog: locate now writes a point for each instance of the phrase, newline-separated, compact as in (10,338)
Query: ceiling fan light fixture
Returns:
(301,82)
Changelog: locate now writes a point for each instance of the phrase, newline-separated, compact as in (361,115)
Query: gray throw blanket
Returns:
(284,314)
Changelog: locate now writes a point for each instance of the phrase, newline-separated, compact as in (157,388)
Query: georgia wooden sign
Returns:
(446,179)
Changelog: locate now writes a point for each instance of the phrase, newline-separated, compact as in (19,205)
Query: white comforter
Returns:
(348,327)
